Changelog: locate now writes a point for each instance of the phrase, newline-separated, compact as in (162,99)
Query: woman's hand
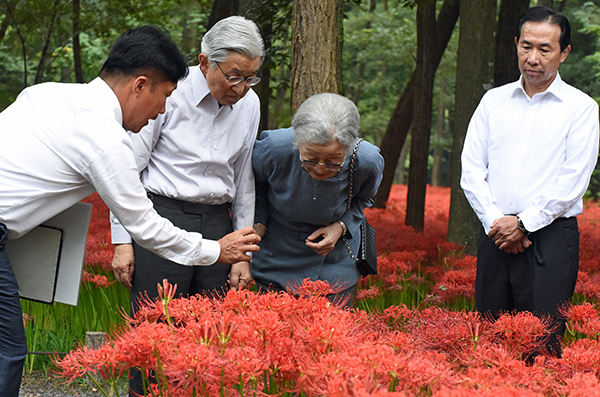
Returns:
(323,240)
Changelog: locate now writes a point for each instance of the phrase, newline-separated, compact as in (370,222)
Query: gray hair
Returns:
(324,117)
(236,34)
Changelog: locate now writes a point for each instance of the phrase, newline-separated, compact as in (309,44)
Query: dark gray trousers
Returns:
(538,280)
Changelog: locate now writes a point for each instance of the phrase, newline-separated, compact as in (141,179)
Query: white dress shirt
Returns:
(531,157)
(61,142)
(199,151)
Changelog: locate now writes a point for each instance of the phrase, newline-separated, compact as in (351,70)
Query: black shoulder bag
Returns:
(366,260)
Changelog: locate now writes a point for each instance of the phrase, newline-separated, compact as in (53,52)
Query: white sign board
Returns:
(48,261)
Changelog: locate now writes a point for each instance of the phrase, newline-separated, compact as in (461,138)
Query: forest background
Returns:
(415,69)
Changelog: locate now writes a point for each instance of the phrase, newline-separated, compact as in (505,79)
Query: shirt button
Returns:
(215,147)
(204,261)
(212,195)
(209,172)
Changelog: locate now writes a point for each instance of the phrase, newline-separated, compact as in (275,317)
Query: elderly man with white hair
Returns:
(195,162)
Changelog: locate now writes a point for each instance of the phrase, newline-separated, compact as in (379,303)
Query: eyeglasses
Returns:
(312,164)
(233,80)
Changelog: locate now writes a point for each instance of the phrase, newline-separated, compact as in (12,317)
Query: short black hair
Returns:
(146,48)
(545,14)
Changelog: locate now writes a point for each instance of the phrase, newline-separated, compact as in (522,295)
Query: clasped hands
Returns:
(507,236)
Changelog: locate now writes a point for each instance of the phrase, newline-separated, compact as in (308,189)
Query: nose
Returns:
(534,57)
(239,88)
(163,108)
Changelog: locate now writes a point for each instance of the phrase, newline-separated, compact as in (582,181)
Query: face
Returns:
(148,102)
(333,152)
(235,65)
(538,50)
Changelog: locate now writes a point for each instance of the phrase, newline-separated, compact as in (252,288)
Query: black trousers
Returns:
(213,222)
(538,280)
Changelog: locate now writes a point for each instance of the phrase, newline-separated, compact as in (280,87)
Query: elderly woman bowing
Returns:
(302,185)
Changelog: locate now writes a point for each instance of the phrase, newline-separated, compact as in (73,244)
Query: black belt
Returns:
(187,207)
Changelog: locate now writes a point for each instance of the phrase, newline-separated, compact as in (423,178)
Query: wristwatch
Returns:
(521,227)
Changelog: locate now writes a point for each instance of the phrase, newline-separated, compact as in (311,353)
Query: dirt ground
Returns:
(39,384)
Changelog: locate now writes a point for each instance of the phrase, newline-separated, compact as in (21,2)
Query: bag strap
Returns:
(351,175)
(350,192)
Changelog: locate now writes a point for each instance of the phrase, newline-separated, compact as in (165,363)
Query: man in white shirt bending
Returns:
(61,142)
(528,156)
(195,163)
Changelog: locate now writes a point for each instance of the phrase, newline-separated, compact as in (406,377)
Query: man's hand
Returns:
(239,276)
(123,264)
(326,236)
(507,236)
(518,247)
(234,246)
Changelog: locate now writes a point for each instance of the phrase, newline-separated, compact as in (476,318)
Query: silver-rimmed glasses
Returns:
(312,164)
(233,80)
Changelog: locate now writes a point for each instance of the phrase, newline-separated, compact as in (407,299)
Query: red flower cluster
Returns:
(269,344)
(276,343)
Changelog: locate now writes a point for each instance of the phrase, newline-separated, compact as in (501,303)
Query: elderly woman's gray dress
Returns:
(292,205)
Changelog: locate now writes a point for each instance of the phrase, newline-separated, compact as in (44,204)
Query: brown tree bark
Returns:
(222,9)
(438,151)
(423,101)
(474,71)
(401,120)
(317,38)
(506,69)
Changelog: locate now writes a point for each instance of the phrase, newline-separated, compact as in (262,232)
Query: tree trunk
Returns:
(438,151)
(76,45)
(473,73)
(317,38)
(264,88)
(423,99)
(506,69)
(42,63)
(222,9)
(4,26)
(546,3)
(401,119)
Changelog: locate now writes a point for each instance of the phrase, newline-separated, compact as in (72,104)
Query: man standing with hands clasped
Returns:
(528,156)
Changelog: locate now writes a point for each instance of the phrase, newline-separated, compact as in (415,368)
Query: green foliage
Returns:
(59,327)
(378,58)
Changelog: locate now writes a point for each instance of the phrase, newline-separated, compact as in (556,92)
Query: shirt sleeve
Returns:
(474,177)
(115,176)
(242,213)
(142,144)
(572,180)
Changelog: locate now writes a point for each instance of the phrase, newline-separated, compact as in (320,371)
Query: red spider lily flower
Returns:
(523,332)
(96,279)
(583,318)
(370,293)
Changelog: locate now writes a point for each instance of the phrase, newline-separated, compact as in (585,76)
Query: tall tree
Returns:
(473,76)
(317,39)
(222,9)
(505,64)
(423,100)
(401,120)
